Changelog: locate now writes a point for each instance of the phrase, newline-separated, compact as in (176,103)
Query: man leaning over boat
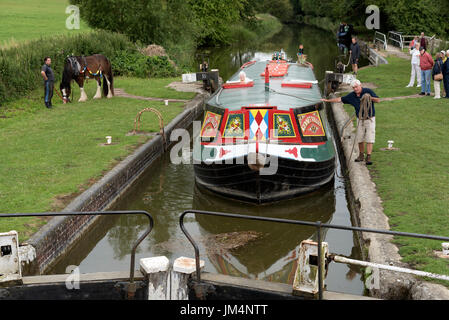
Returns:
(362,99)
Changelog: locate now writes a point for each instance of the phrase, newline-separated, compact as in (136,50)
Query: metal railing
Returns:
(131,287)
(396,38)
(318,225)
(407,39)
(382,38)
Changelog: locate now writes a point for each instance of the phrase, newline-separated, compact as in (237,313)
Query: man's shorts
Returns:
(366,130)
(354,60)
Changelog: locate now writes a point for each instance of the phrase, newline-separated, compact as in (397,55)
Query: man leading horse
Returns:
(49,80)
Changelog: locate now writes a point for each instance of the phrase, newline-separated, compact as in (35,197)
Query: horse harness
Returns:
(75,65)
(77,68)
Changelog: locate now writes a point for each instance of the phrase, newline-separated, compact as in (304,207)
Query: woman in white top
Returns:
(416,70)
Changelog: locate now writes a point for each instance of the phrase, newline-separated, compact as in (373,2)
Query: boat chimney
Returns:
(267,79)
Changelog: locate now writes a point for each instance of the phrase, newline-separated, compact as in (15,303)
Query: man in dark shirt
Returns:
(49,79)
(446,75)
(423,41)
(366,129)
(355,54)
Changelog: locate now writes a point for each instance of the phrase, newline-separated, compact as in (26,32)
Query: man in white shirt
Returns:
(416,70)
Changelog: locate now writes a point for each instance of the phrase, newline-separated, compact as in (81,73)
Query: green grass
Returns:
(413,182)
(51,155)
(391,78)
(151,87)
(22,20)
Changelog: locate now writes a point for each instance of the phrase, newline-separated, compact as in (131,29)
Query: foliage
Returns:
(136,64)
(281,9)
(410,17)
(214,18)
(263,27)
(165,22)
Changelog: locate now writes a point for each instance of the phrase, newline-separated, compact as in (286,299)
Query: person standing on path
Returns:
(413,43)
(446,75)
(437,69)
(443,53)
(416,70)
(423,41)
(355,55)
(366,123)
(49,80)
(426,65)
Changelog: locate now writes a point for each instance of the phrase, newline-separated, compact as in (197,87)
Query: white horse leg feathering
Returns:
(83,95)
(98,93)
(109,87)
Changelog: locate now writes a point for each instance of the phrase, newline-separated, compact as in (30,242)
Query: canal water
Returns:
(244,248)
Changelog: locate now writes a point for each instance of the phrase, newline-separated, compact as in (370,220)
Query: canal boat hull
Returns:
(265,139)
(240,182)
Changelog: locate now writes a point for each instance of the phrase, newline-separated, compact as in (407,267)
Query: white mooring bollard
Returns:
(182,270)
(445,246)
(156,269)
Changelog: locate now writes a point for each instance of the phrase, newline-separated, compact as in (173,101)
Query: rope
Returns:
(59,94)
(291,95)
(348,61)
(366,108)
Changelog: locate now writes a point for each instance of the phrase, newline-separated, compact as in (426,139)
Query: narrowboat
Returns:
(265,136)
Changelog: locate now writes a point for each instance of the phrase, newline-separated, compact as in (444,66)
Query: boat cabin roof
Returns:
(284,98)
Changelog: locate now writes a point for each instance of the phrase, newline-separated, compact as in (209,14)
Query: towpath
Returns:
(178,86)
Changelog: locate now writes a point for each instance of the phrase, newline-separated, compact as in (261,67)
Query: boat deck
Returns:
(284,98)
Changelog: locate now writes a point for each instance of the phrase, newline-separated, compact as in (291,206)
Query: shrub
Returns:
(139,65)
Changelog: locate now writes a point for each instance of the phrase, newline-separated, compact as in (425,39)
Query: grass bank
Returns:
(30,19)
(50,156)
(412,182)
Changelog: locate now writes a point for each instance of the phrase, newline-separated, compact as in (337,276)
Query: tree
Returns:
(281,9)
(213,19)
(167,21)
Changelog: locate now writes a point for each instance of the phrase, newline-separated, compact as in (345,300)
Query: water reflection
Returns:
(274,255)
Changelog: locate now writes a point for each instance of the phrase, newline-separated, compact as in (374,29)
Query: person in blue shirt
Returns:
(366,125)
(355,55)
(49,79)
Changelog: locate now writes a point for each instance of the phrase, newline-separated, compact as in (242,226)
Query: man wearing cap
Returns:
(446,74)
(366,129)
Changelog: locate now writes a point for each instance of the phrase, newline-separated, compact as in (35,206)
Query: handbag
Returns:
(438,76)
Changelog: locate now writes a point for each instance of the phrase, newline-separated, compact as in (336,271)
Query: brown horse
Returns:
(78,68)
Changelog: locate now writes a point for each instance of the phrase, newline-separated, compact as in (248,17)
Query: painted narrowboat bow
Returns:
(265,135)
